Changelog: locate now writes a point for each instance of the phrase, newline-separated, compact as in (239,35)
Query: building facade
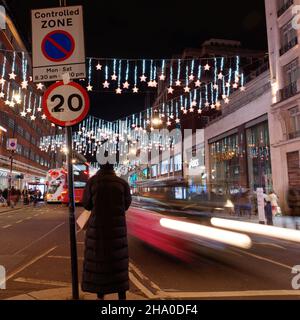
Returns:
(284,116)
(28,163)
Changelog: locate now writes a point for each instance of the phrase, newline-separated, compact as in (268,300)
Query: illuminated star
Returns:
(1,94)
(40,86)
(98,66)
(150,83)
(23,114)
(177,120)
(154,83)
(44,117)
(7,102)
(227,100)
(162,77)
(114,77)
(126,85)
(169,123)
(198,83)
(224,96)
(33,117)
(39,109)
(191,77)
(52,125)
(12,104)
(12,76)
(24,84)
(194,103)
(235,85)
(207,104)
(178,83)
(28,110)
(185,111)
(118,91)
(216,86)
(106,84)
(135,89)
(218,104)
(170,90)
(192,109)
(213,106)
(2,81)
(207,67)
(89,88)
(187,89)
(220,76)
(143,78)
(199,111)
(227,85)
(243,88)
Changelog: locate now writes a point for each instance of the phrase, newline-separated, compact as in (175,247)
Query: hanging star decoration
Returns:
(187,89)
(170,90)
(198,83)
(33,117)
(192,109)
(216,86)
(98,66)
(162,77)
(29,110)
(105,84)
(126,85)
(24,84)
(12,76)
(154,83)
(39,109)
(44,117)
(12,104)
(40,86)
(114,77)
(243,88)
(89,88)
(178,83)
(194,103)
(207,67)
(118,90)
(2,81)
(227,100)
(23,114)
(150,84)
(7,102)
(220,76)
(143,78)
(2,94)
(235,85)
(191,77)
(199,111)
(135,89)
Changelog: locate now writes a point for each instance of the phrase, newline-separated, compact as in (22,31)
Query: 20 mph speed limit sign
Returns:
(66,104)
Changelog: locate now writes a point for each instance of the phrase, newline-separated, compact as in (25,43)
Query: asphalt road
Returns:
(35,252)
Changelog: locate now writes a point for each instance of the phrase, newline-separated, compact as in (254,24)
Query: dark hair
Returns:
(107,166)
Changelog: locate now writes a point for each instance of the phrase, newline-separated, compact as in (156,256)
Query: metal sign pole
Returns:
(72,222)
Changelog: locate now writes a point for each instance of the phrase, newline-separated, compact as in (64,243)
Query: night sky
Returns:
(152,29)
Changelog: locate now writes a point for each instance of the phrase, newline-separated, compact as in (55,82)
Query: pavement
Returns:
(66,294)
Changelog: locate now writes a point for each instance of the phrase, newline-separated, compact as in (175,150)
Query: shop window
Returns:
(291,72)
(177,163)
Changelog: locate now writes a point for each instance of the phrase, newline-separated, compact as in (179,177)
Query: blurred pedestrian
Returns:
(268,211)
(274,203)
(105,268)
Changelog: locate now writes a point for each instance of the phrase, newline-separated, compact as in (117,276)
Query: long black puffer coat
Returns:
(105,268)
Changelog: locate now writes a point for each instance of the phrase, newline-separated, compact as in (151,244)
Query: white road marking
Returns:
(141,287)
(31,262)
(19,221)
(63,257)
(43,282)
(7,226)
(35,241)
(269,244)
(266,259)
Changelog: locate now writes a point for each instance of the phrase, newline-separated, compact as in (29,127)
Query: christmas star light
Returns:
(89,88)
(206,104)
(29,110)
(243,88)
(150,83)
(187,89)
(118,91)
(24,84)
(135,89)
(126,85)
(185,111)
(114,77)
(154,83)
(143,78)
(199,111)
(40,86)
(194,103)
(12,76)
(220,76)
(170,90)
(216,86)
(23,114)
(2,81)
(227,100)
(98,66)
(207,67)
(1,94)
(7,102)
(39,109)
(106,84)
(12,104)
(191,77)
(235,85)
(178,83)
(44,117)
(227,85)
(192,109)
(162,77)
(177,120)
(198,83)
(33,117)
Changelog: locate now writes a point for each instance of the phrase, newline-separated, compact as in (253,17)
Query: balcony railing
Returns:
(288,91)
(289,46)
(294,135)
(283,9)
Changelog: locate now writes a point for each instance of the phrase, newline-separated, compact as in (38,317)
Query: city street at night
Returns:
(36,252)
(149,158)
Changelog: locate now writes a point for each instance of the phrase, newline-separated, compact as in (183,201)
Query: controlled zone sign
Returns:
(58,43)
(66,104)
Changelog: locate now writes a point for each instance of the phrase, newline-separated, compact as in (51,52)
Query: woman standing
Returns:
(105,268)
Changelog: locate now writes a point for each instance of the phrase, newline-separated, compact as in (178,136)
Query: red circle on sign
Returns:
(66,123)
(67,53)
